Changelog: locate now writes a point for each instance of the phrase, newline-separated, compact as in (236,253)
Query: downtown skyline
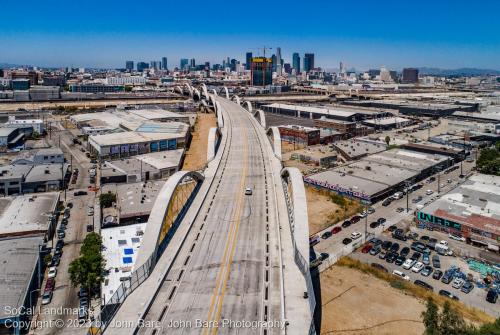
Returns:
(396,35)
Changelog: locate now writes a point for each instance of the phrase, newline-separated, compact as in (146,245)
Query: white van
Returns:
(355,235)
(401,275)
(397,195)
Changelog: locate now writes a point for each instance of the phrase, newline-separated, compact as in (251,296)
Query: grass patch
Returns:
(470,313)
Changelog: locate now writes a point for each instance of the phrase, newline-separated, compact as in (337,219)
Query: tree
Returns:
(431,318)
(492,328)
(387,139)
(451,322)
(107,199)
(87,270)
(489,161)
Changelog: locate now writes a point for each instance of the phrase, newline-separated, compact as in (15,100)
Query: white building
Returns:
(129,80)
(36,124)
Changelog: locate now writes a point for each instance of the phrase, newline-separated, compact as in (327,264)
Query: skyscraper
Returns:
(192,63)
(410,75)
(164,64)
(129,65)
(141,66)
(308,62)
(342,68)
(154,64)
(287,68)
(184,63)
(248,62)
(279,66)
(296,62)
(261,71)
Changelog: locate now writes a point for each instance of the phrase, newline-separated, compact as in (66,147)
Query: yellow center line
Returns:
(216,298)
(235,236)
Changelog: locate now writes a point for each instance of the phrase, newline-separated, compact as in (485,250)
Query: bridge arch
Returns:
(168,210)
(178,89)
(249,106)
(261,117)
(190,90)
(204,89)
(237,99)
(214,136)
(196,94)
(215,92)
(274,136)
(227,92)
(218,112)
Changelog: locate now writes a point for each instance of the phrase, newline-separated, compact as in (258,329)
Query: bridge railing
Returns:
(300,260)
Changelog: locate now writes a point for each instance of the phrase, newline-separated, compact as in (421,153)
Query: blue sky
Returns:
(363,34)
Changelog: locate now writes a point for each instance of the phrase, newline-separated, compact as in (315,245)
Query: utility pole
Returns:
(408,196)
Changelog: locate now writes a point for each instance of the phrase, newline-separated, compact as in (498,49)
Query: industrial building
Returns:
(39,156)
(471,210)
(10,138)
(377,176)
(358,148)
(28,178)
(416,108)
(37,125)
(145,138)
(387,123)
(96,88)
(301,135)
(336,113)
(152,166)
(349,129)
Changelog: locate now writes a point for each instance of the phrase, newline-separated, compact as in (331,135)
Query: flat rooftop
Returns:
(135,199)
(8,172)
(407,159)
(163,159)
(46,172)
(355,147)
(18,257)
(27,214)
(121,246)
(476,202)
(133,137)
(318,110)
(386,121)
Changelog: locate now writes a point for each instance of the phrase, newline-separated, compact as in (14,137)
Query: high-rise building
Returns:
(385,75)
(410,75)
(129,65)
(184,64)
(233,64)
(308,62)
(192,63)
(279,64)
(248,64)
(154,65)
(262,74)
(296,62)
(164,63)
(342,68)
(287,68)
(274,62)
(141,66)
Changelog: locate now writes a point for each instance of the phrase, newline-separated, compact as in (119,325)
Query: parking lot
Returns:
(476,298)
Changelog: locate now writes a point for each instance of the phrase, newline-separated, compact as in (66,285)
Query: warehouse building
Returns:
(471,210)
(358,148)
(377,176)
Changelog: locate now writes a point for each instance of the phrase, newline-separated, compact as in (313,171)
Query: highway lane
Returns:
(228,268)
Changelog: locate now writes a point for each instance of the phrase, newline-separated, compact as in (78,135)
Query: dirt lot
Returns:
(357,303)
(322,212)
(196,155)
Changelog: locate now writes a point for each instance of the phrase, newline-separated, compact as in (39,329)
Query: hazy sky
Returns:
(363,34)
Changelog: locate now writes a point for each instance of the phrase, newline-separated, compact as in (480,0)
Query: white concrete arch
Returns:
(179,89)
(190,90)
(227,92)
(215,92)
(151,238)
(196,93)
(249,106)
(220,119)
(261,117)
(273,134)
(213,135)
(204,89)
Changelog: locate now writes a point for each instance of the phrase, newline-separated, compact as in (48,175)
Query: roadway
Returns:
(227,270)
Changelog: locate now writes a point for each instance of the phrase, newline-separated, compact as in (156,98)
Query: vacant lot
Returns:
(196,155)
(323,212)
(358,303)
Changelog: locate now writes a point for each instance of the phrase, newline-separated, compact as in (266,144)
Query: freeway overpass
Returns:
(235,263)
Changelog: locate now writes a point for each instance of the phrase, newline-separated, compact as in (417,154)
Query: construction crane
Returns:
(263,49)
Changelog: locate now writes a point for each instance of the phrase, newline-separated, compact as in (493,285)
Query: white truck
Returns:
(442,249)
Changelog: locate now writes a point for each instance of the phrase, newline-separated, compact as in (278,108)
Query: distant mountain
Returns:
(8,65)
(457,72)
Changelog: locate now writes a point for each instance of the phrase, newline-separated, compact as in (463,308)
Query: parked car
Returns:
(447,278)
(392,228)
(426,259)
(382,255)
(415,256)
(55,261)
(417,267)
(336,230)
(381,220)
(429,192)
(346,241)
(391,257)
(52,272)
(78,193)
(492,296)
(408,264)
(366,248)
(355,219)
(375,250)
(399,261)
(426,271)
(90,211)
(371,210)
(375,241)
(448,294)
(355,235)
(457,237)
(248,191)
(346,224)
(90,228)
(47,297)
(387,202)
(395,247)
(467,287)
(374,224)
(457,283)
(61,234)
(436,262)
(405,251)
(386,245)
(326,235)
(437,274)
(401,275)
(423,284)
